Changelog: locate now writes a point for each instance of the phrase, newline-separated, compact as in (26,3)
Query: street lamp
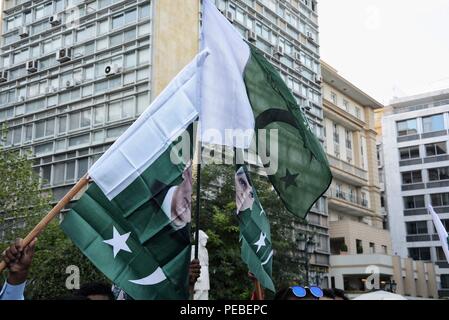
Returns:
(307,247)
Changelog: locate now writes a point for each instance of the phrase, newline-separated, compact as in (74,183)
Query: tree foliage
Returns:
(22,205)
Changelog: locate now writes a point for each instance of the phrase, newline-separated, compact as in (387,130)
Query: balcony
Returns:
(348,172)
(348,203)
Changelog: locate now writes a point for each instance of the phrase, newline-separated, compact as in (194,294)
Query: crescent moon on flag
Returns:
(156,277)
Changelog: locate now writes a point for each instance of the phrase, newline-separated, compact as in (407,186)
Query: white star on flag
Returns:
(261,242)
(118,241)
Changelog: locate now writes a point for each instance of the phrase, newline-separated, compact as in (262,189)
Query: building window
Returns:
(372,248)
(336,134)
(435,149)
(359,246)
(440,199)
(419,253)
(411,177)
(409,153)
(414,202)
(437,174)
(444,281)
(440,254)
(334,98)
(346,105)
(349,139)
(416,227)
(433,123)
(384,250)
(407,127)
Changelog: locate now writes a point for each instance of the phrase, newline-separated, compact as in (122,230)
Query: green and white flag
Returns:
(242,92)
(442,232)
(133,221)
(255,235)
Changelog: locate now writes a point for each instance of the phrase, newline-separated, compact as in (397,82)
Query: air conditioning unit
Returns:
(31,66)
(21,98)
(309,105)
(110,70)
(3,76)
(64,55)
(78,82)
(279,51)
(54,89)
(23,32)
(251,36)
(298,57)
(310,36)
(318,79)
(55,20)
(230,16)
(68,84)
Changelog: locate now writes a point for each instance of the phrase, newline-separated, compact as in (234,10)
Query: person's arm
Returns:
(18,260)
(194,273)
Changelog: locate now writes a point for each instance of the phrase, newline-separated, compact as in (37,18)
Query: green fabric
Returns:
(253,223)
(153,241)
(303,173)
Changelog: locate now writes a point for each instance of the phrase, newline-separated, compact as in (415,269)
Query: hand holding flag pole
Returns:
(53,213)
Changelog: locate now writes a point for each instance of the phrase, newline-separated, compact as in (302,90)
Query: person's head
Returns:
(244,191)
(296,293)
(328,294)
(96,291)
(181,201)
(340,294)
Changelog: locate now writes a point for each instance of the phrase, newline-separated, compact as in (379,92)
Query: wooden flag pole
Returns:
(258,290)
(53,213)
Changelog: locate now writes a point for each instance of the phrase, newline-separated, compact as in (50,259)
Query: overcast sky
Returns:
(387,48)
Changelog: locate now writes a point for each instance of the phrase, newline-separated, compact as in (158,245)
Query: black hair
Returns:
(329,293)
(340,294)
(95,288)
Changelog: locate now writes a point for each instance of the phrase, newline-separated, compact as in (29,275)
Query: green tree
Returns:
(22,205)
(228,274)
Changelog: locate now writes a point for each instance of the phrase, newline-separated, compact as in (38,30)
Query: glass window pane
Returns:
(39,129)
(50,129)
(114,111)
(58,173)
(130,16)
(82,167)
(70,171)
(99,115)
(128,108)
(74,121)
(85,118)
(118,21)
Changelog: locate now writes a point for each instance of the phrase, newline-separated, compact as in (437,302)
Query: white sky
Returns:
(388,48)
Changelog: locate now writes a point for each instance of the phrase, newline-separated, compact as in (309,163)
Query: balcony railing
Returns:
(347,167)
(350,197)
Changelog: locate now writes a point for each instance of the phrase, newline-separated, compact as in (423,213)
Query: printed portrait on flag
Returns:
(243,191)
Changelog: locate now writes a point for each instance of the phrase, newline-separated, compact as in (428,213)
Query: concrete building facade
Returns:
(416,170)
(361,249)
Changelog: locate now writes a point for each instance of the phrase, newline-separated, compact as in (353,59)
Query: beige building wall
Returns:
(175,39)
(352,231)
(397,275)
(432,280)
(409,281)
(421,283)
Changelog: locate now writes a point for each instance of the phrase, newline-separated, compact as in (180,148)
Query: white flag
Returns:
(442,233)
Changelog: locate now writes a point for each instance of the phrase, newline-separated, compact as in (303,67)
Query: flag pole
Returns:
(198,138)
(53,213)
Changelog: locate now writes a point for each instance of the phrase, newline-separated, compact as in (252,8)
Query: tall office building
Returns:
(416,169)
(76,73)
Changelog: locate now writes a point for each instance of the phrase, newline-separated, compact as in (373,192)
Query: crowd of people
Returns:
(19,258)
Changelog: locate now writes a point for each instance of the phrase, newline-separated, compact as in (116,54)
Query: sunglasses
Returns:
(301,292)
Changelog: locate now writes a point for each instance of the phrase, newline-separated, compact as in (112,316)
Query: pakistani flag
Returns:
(255,236)
(442,233)
(133,221)
(241,91)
